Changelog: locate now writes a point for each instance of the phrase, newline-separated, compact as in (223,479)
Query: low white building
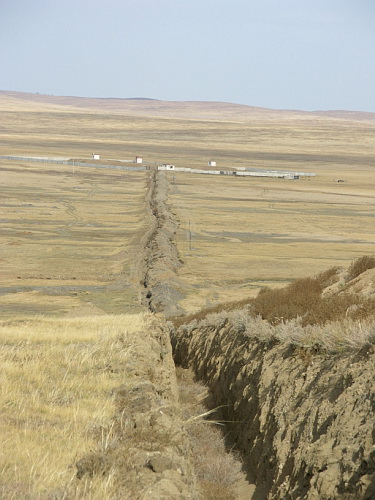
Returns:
(138,159)
(166,166)
(95,156)
(212,163)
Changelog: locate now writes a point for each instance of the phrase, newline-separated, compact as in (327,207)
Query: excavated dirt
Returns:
(303,420)
(147,449)
(161,289)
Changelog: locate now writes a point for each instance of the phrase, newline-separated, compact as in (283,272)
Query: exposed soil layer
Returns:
(303,420)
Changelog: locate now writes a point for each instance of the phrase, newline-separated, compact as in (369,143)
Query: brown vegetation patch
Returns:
(360,266)
(305,299)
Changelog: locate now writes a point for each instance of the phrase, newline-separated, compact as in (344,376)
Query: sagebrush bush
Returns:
(299,313)
(329,277)
(303,298)
(286,303)
(360,265)
(203,313)
(334,336)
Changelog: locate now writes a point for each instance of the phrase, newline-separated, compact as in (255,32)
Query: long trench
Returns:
(160,287)
(160,291)
(300,405)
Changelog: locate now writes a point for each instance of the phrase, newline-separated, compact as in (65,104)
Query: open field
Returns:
(89,405)
(69,239)
(235,235)
(254,233)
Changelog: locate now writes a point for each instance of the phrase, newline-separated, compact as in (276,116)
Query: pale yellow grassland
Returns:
(56,400)
(245,232)
(255,232)
(69,239)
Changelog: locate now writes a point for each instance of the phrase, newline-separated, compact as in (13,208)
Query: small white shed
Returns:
(95,156)
(138,159)
(212,163)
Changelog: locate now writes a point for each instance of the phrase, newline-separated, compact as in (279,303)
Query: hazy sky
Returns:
(295,54)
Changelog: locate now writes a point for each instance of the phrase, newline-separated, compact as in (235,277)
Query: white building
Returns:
(138,159)
(212,163)
(95,156)
(166,166)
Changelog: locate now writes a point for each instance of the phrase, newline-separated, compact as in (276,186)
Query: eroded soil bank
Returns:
(303,419)
(161,289)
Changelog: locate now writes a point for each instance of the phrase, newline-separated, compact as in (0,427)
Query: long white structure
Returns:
(281,174)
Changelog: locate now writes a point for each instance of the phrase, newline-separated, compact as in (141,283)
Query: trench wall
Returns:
(304,420)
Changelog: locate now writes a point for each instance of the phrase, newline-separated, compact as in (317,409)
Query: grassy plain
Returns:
(70,239)
(255,233)
(236,235)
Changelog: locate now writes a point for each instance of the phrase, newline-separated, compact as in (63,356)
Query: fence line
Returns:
(238,173)
(73,163)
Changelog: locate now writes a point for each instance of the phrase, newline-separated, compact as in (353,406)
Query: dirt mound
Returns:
(364,284)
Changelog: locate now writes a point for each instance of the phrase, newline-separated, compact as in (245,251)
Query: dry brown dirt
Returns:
(304,420)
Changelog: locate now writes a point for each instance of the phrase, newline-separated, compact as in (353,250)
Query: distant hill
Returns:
(209,110)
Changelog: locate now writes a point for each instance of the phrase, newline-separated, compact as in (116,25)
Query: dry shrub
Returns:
(286,303)
(303,298)
(335,336)
(341,335)
(328,277)
(298,314)
(360,265)
(338,307)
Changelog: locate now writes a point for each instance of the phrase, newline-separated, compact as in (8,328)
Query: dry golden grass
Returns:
(236,235)
(69,240)
(56,401)
(245,233)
